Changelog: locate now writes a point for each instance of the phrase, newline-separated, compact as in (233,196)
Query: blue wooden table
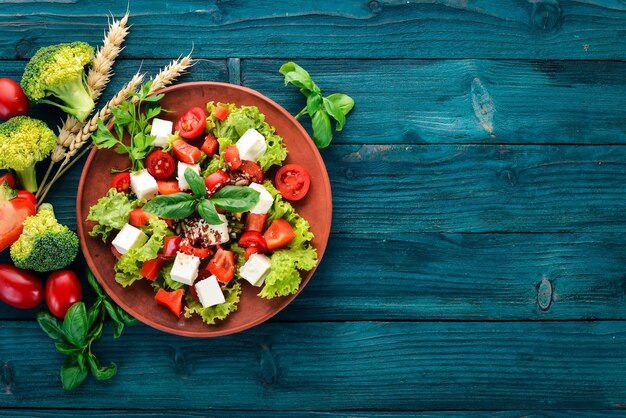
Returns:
(477,260)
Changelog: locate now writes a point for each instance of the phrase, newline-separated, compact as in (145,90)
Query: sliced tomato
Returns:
(223,265)
(13,212)
(151,268)
(168,187)
(139,217)
(221,112)
(121,182)
(171,246)
(25,194)
(210,145)
(249,251)
(231,156)
(8,178)
(191,124)
(189,249)
(251,171)
(253,239)
(116,253)
(293,181)
(256,222)
(185,152)
(216,180)
(171,300)
(279,234)
(160,164)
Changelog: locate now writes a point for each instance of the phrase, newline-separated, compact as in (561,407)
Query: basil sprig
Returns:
(77,332)
(181,205)
(321,109)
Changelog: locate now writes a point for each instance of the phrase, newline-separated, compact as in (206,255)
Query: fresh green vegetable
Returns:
(132,117)
(45,245)
(284,277)
(111,212)
(321,109)
(76,334)
(56,75)
(210,315)
(25,141)
(181,205)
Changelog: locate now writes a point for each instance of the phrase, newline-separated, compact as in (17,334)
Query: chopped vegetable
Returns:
(110,212)
(212,314)
(171,300)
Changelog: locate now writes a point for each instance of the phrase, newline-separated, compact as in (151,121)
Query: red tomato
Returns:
(255,222)
(25,194)
(168,186)
(185,152)
(8,178)
(160,164)
(12,215)
(221,112)
(116,253)
(150,269)
(191,124)
(139,217)
(293,181)
(121,182)
(189,249)
(279,234)
(62,291)
(223,265)
(19,288)
(171,300)
(13,101)
(249,251)
(231,156)
(251,171)
(210,145)
(253,239)
(171,246)
(216,180)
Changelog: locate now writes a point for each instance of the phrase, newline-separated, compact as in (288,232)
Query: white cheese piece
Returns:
(209,292)
(185,268)
(218,234)
(251,145)
(182,181)
(265,199)
(143,185)
(255,269)
(161,129)
(129,237)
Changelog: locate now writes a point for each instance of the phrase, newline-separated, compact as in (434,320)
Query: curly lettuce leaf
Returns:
(111,212)
(212,314)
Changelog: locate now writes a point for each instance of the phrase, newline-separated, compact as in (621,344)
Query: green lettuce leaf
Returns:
(165,279)
(110,212)
(210,315)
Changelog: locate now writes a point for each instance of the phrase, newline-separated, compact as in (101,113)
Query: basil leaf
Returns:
(173,206)
(206,209)
(298,76)
(322,131)
(52,326)
(76,324)
(313,103)
(99,372)
(94,283)
(93,313)
(236,198)
(72,377)
(342,101)
(125,317)
(334,111)
(66,348)
(195,182)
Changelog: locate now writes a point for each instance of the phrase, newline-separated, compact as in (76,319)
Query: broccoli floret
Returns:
(45,245)
(56,75)
(23,142)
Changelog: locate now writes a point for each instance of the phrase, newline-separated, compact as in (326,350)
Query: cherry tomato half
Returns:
(231,156)
(250,170)
(168,186)
(279,234)
(210,145)
(25,194)
(216,180)
(139,217)
(13,101)
(191,124)
(293,181)
(253,239)
(160,164)
(121,182)
(223,265)
(9,179)
(62,291)
(221,112)
(256,222)
(19,288)
(185,152)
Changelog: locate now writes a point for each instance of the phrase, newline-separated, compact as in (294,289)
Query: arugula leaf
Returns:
(173,206)
(196,183)
(236,198)
(206,209)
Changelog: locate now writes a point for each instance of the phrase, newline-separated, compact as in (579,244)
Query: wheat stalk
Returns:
(170,73)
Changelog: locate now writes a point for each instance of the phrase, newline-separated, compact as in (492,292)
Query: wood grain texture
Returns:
(330,366)
(543,29)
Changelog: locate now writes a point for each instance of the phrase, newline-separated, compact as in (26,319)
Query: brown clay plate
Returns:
(138,299)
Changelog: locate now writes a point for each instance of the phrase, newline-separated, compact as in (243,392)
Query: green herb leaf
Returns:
(52,326)
(72,376)
(118,324)
(125,317)
(298,76)
(103,138)
(322,131)
(173,206)
(99,372)
(342,101)
(76,324)
(206,209)
(93,282)
(335,112)
(66,348)
(236,198)
(93,312)
(196,183)
(313,103)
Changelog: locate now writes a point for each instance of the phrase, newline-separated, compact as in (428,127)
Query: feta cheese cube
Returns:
(143,185)
(218,234)
(265,199)
(251,145)
(185,268)
(161,129)
(255,269)
(182,181)
(209,292)
(129,237)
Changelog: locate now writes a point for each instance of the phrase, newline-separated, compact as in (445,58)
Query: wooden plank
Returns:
(478,277)
(464,101)
(325,28)
(329,366)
